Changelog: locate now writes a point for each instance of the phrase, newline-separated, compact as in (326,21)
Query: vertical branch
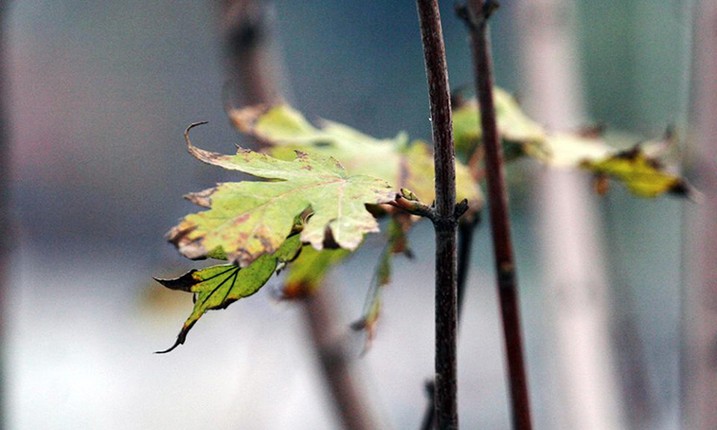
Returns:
(246,28)
(476,15)
(444,220)
(466,232)
(699,313)
(5,224)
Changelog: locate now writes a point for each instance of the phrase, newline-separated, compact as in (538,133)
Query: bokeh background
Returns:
(98,95)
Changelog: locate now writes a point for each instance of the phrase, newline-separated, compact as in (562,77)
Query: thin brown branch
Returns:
(466,232)
(445,220)
(476,15)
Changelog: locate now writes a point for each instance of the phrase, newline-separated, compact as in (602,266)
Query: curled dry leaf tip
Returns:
(191,126)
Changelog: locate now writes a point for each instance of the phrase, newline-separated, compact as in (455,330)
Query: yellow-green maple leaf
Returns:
(248,219)
(401,163)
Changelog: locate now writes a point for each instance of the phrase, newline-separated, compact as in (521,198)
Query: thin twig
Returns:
(476,15)
(445,221)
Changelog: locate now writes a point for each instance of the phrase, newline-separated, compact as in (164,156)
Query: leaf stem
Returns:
(445,220)
(476,15)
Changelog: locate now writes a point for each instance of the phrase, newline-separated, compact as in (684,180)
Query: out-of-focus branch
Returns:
(699,313)
(246,26)
(5,221)
(334,357)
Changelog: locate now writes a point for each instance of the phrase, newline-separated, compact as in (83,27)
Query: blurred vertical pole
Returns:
(5,221)
(255,78)
(573,262)
(699,313)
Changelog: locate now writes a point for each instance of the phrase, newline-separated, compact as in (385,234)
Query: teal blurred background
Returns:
(100,93)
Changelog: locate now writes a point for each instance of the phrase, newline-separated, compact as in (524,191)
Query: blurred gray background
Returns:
(99,95)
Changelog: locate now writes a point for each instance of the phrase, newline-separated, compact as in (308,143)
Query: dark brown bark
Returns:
(254,78)
(444,219)
(466,232)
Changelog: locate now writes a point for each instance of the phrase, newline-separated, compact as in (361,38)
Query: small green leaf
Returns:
(249,219)
(217,287)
